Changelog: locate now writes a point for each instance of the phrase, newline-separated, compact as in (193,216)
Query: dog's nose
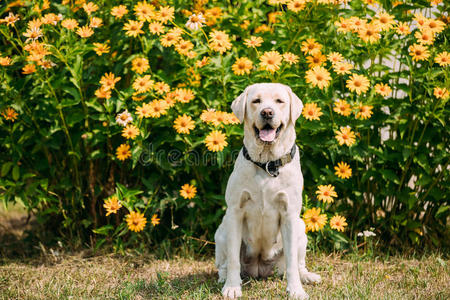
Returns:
(267,113)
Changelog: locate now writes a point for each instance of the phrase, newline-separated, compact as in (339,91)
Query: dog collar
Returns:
(271,167)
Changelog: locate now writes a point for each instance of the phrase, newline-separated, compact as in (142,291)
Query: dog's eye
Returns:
(257,100)
(279,101)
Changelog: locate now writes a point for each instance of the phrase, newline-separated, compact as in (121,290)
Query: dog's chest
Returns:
(262,213)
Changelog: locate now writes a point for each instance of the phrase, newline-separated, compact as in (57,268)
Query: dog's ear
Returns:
(296,105)
(238,105)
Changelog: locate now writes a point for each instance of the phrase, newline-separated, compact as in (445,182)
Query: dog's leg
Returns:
(305,276)
(289,233)
(220,239)
(233,222)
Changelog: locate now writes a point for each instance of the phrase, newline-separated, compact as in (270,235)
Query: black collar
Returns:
(271,167)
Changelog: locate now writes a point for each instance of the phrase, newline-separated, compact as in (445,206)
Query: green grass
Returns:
(143,277)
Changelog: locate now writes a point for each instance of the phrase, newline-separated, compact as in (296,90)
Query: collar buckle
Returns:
(275,173)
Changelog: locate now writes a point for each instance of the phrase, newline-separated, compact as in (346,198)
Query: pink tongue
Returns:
(267,135)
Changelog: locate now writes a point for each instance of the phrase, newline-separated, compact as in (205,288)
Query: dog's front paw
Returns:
(310,278)
(232,292)
(297,293)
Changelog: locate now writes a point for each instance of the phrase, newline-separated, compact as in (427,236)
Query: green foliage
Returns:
(59,154)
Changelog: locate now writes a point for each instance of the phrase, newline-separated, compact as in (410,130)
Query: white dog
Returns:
(262,228)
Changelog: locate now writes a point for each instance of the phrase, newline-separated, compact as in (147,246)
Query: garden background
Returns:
(116,129)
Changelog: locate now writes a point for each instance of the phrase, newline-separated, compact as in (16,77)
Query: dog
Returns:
(262,229)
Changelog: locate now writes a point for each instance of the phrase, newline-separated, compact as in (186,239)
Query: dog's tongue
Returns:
(267,135)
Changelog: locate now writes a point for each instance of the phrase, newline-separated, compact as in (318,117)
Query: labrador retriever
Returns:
(262,229)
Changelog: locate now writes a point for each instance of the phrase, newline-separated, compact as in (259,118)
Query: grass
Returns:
(57,276)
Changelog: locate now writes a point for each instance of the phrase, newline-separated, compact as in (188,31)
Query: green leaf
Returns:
(5,168)
(16,173)
(389,175)
(104,230)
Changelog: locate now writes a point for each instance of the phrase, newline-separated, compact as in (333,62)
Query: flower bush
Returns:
(116,114)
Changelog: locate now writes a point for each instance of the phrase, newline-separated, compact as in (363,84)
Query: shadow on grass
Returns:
(202,285)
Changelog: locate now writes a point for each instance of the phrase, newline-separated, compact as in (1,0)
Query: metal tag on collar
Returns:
(268,172)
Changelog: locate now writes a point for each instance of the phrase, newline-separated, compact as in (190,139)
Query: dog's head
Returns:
(267,108)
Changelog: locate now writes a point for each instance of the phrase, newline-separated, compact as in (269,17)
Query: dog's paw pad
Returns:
(310,278)
(232,292)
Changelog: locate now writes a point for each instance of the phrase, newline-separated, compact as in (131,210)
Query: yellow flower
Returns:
(69,24)
(112,205)
(130,132)
(144,111)
(440,93)
(5,61)
(418,52)
(345,136)
(170,39)
(143,84)
(85,31)
(326,193)
(385,21)
(102,93)
(90,7)
(215,141)
(343,25)
(108,81)
(184,95)
(311,111)
(183,47)
(183,124)
(424,37)
(383,89)
(364,111)
(155,220)
(296,5)
(403,28)
(314,221)
(101,48)
(165,14)
(28,69)
(335,57)
(119,11)
(156,28)
(253,41)
(144,11)
(219,41)
(290,58)
(188,191)
(436,26)
(133,28)
(10,114)
(420,19)
(96,22)
(369,33)
(316,60)
(123,152)
(443,59)
(270,61)
(358,83)
(343,170)
(136,221)
(140,65)
(318,76)
(338,222)
(242,66)
(310,46)
(342,108)
(161,87)
(158,108)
